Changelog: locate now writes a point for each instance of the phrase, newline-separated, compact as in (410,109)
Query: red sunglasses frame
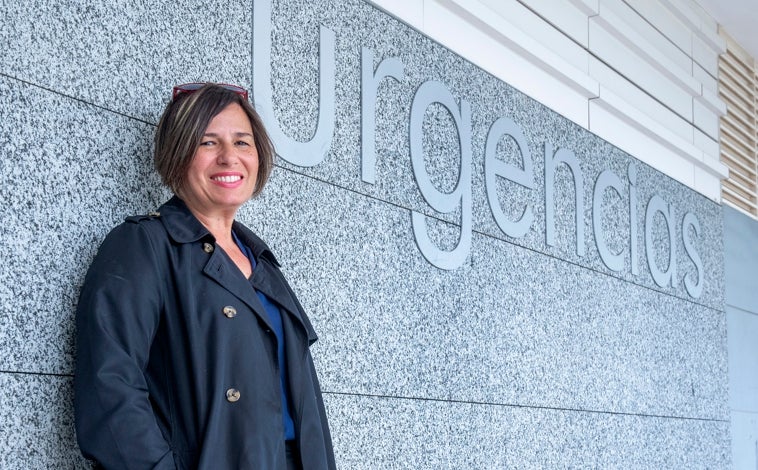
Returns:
(189,88)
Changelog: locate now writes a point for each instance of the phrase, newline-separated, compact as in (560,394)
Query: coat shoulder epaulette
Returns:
(135,219)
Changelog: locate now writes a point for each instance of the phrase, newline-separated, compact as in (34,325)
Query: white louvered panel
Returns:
(737,200)
(738,176)
(741,196)
(737,69)
(742,181)
(739,129)
(741,96)
(738,140)
(742,186)
(741,107)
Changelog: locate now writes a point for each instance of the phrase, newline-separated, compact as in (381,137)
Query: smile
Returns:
(227,179)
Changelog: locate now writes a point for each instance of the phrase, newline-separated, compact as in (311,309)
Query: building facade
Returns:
(505,219)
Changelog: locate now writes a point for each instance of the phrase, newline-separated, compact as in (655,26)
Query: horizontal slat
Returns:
(737,152)
(737,105)
(744,103)
(736,195)
(740,136)
(741,67)
(744,210)
(737,71)
(739,118)
(739,201)
(744,154)
(739,125)
(737,162)
(730,60)
(736,87)
(745,186)
(743,180)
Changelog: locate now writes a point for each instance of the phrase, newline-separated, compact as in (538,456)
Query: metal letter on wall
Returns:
(370,79)
(606,179)
(551,162)
(314,151)
(695,289)
(632,173)
(667,277)
(494,167)
(428,93)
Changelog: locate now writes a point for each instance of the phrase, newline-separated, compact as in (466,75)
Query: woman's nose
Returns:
(225,154)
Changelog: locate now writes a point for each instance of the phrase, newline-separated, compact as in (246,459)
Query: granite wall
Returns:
(470,315)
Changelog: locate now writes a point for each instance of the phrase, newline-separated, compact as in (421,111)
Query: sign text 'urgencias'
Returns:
(683,229)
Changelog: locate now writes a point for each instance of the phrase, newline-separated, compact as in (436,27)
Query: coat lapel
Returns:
(266,281)
(221,270)
(183,227)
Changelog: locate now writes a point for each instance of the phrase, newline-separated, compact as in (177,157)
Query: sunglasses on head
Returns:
(189,88)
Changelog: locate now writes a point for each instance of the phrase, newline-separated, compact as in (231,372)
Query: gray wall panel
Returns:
(741,260)
(37,425)
(124,55)
(392,433)
(744,435)
(742,330)
(70,171)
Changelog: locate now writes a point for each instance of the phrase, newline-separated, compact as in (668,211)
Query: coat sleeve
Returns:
(116,320)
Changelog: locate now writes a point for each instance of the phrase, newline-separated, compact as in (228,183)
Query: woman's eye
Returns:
(206,143)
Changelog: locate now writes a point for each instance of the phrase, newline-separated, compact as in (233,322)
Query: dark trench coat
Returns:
(176,360)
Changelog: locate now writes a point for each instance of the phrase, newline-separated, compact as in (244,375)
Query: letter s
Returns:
(695,289)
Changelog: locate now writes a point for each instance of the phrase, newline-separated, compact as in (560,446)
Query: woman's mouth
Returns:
(227,178)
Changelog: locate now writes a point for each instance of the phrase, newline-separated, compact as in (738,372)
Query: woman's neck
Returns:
(219,223)
(219,227)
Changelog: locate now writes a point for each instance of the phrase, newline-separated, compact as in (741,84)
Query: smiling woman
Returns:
(192,349)
(224,170)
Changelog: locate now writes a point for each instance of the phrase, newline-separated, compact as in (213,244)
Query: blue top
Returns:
(275,316)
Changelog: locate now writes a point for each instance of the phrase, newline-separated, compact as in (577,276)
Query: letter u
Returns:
(312,152)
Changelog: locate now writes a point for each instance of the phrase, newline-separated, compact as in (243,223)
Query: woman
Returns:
(192,350)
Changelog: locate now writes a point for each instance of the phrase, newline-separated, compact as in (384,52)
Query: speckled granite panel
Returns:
(37,430)
(124,55)
(396,433)
(68,173)
(515,327)
(358,25)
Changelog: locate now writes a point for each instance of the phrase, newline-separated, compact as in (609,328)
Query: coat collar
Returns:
(183,227)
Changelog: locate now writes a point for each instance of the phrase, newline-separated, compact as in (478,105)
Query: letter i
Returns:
(632,172)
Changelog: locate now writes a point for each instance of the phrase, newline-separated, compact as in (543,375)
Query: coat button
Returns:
(232,395)
(207,247)
(230,311)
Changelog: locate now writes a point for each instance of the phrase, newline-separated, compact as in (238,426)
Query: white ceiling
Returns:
(739,18)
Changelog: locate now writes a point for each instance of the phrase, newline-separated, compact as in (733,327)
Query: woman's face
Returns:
(223,171)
